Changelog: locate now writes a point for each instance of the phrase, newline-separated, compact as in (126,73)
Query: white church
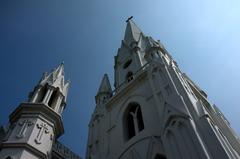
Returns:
(154,111)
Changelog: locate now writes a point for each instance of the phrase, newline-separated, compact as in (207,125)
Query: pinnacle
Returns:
(132,32)
(105,86)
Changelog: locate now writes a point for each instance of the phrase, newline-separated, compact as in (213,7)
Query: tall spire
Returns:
(42,115)
(132,32)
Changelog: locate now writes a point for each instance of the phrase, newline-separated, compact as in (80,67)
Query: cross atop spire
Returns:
(129,19)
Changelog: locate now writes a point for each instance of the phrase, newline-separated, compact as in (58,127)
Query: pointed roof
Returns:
(56,79)
(132,32)
(105,86)
(60,69)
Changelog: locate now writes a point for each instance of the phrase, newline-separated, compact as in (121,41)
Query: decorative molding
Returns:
(43,129)
(26,146)
(41,111)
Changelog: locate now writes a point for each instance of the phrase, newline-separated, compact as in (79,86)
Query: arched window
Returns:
(8,157)
(133,121)
(158,156)
(129,76)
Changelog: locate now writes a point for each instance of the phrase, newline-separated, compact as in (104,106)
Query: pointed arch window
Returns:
(133,121)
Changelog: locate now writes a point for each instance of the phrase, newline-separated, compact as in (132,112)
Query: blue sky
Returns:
(35,36)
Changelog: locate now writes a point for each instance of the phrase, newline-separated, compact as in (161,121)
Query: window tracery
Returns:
(133,120)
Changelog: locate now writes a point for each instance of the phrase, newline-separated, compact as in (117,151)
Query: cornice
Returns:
(25,146)
(39,109)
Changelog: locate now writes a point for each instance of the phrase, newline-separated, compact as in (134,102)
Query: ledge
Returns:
(39,109)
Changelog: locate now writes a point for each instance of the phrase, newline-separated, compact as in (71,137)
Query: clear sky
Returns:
(35,36)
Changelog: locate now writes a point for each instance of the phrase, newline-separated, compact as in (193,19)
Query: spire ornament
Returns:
(129,19)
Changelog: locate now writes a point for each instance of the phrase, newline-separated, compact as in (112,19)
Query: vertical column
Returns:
(61,109)
(48,95)
(135,120)
(135,124)
(58,103)
(35,95)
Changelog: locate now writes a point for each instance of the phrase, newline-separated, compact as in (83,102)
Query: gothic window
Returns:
(52,100)
(9,157)
(127,64)
(129,76)
(133,121)
(158,156)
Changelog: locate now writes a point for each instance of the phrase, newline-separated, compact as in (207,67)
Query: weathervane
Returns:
(129,18)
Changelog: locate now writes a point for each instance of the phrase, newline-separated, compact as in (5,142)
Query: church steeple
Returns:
(36,124)
(131,54)
(104,91)
(135,52)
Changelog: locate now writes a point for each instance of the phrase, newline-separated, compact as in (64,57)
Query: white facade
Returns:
(155,111)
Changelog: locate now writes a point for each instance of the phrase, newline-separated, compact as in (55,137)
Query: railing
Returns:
(63,151)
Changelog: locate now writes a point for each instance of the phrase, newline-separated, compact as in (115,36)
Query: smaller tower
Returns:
(104,91)
(36,124)
(96,137)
